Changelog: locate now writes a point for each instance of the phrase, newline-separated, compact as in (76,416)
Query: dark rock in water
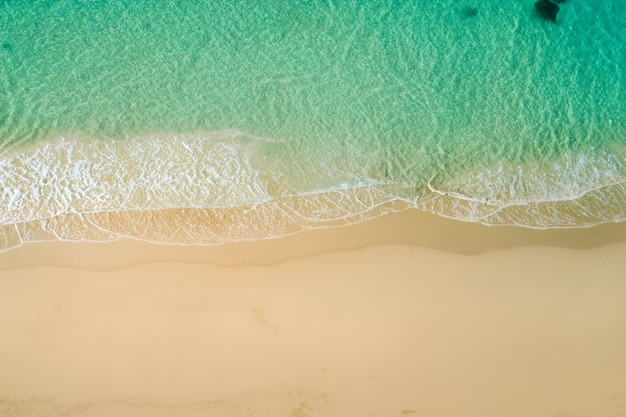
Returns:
(469,11)
(559,1)
(7,46)
(547,10)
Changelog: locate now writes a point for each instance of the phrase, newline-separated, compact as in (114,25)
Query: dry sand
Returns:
(405,315)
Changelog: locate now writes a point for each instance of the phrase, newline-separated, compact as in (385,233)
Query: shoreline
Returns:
(411,227)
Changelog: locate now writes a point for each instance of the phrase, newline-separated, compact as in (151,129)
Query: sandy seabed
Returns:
(405,315)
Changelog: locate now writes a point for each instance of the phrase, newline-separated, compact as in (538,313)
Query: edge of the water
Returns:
(409,227)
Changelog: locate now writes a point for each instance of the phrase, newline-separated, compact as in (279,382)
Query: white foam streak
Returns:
(574,191)
(73,176)
(222,187)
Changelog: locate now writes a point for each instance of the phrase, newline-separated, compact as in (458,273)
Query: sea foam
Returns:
(218,187)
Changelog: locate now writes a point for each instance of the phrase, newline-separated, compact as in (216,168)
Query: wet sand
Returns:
(405,315)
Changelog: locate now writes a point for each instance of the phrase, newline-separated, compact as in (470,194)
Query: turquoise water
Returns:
(206,121)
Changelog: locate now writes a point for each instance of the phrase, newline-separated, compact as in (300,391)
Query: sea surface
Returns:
(200,122)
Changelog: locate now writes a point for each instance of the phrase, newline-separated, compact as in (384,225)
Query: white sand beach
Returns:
(405,315)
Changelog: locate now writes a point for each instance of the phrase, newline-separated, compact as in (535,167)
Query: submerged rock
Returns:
(469,11)
(547,10)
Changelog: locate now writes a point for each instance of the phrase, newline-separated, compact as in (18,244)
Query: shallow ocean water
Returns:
(203,122)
